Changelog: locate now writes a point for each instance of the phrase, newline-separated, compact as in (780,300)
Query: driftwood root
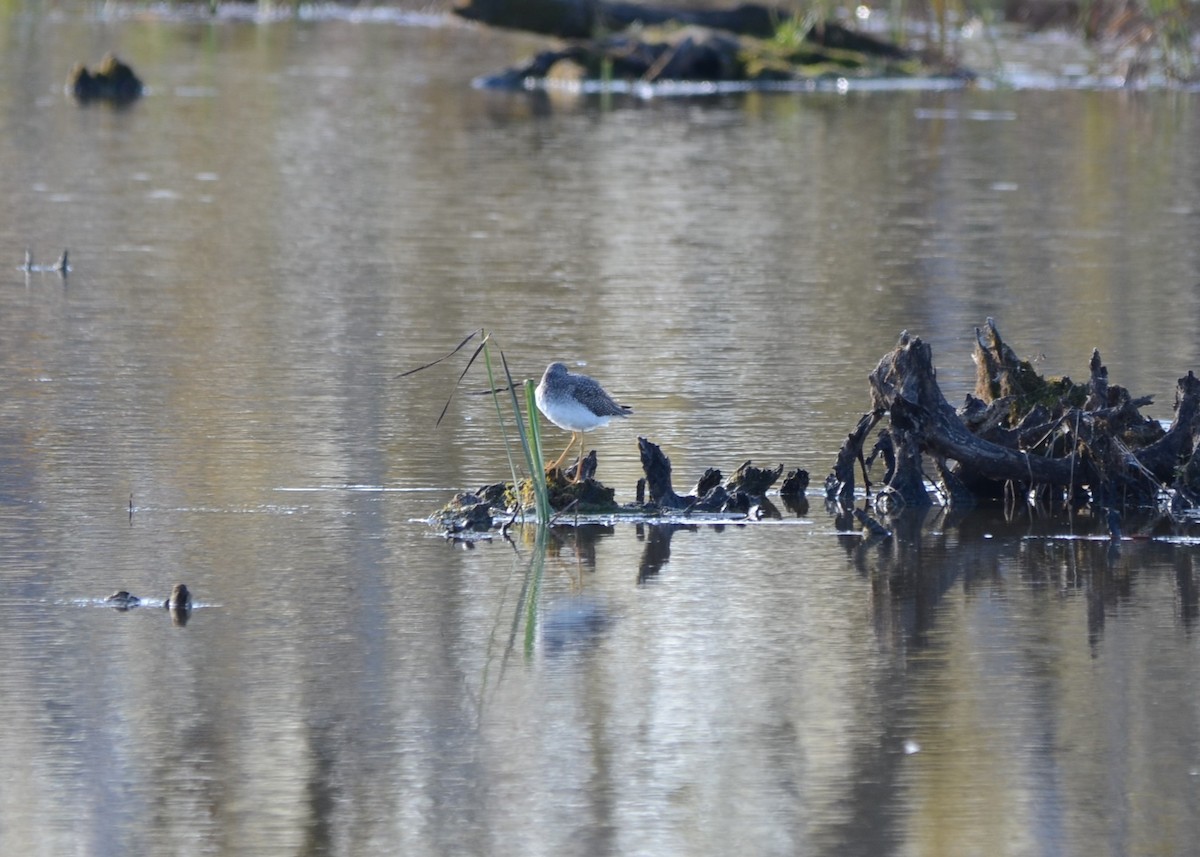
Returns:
(1019,435)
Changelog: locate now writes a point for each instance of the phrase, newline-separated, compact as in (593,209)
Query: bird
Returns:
(576,403)
(122,600)
(180,600)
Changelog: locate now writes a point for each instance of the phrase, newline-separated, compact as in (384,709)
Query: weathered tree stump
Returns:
(1020,433)
(839,485)
(755,481)
(686,44)
(582,19)
(657,468)
(794,484)
(744,492)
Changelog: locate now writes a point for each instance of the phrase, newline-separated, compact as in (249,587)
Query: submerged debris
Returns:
(466,513)
(794,484)
(471,516)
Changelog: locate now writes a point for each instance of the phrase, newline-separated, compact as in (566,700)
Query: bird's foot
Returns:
(583,469)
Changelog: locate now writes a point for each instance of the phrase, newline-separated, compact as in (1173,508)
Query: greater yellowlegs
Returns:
(575,403)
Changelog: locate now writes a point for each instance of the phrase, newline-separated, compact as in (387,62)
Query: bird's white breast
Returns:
(569,414)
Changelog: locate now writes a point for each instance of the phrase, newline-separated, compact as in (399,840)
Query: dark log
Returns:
(957,495)
(748,19)
(764,509)
(794,484)
(907,375)
(716,499)
(467,512)
(1066,436)
(999,373)
(885,446)
(1032,430)
(754,481)
(568,20)
(1098,385)
(983,418)
(906,487)
(1178,445)
(710,480)
(735,44)
(839,485)
(723,499)
(1186,486)
(583,19)
(743,494)
(657,468)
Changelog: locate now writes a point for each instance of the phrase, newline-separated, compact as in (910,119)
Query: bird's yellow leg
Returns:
(578,461)
(558,461)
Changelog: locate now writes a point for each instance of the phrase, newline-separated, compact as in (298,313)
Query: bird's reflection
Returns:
(581,540)
(572,623)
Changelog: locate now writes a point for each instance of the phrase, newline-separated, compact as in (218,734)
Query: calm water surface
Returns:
(300,210)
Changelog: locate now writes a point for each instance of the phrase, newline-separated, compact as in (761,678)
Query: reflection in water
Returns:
(1187,588)
(940,695)
(180,615)
(580,541)
(798,506)
(572,623)
(991,618)
(562,621)
(657,550)
(932,553)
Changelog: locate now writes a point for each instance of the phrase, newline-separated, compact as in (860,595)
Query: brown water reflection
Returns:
(301,209)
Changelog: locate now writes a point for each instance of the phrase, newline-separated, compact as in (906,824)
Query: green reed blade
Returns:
(512,466)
